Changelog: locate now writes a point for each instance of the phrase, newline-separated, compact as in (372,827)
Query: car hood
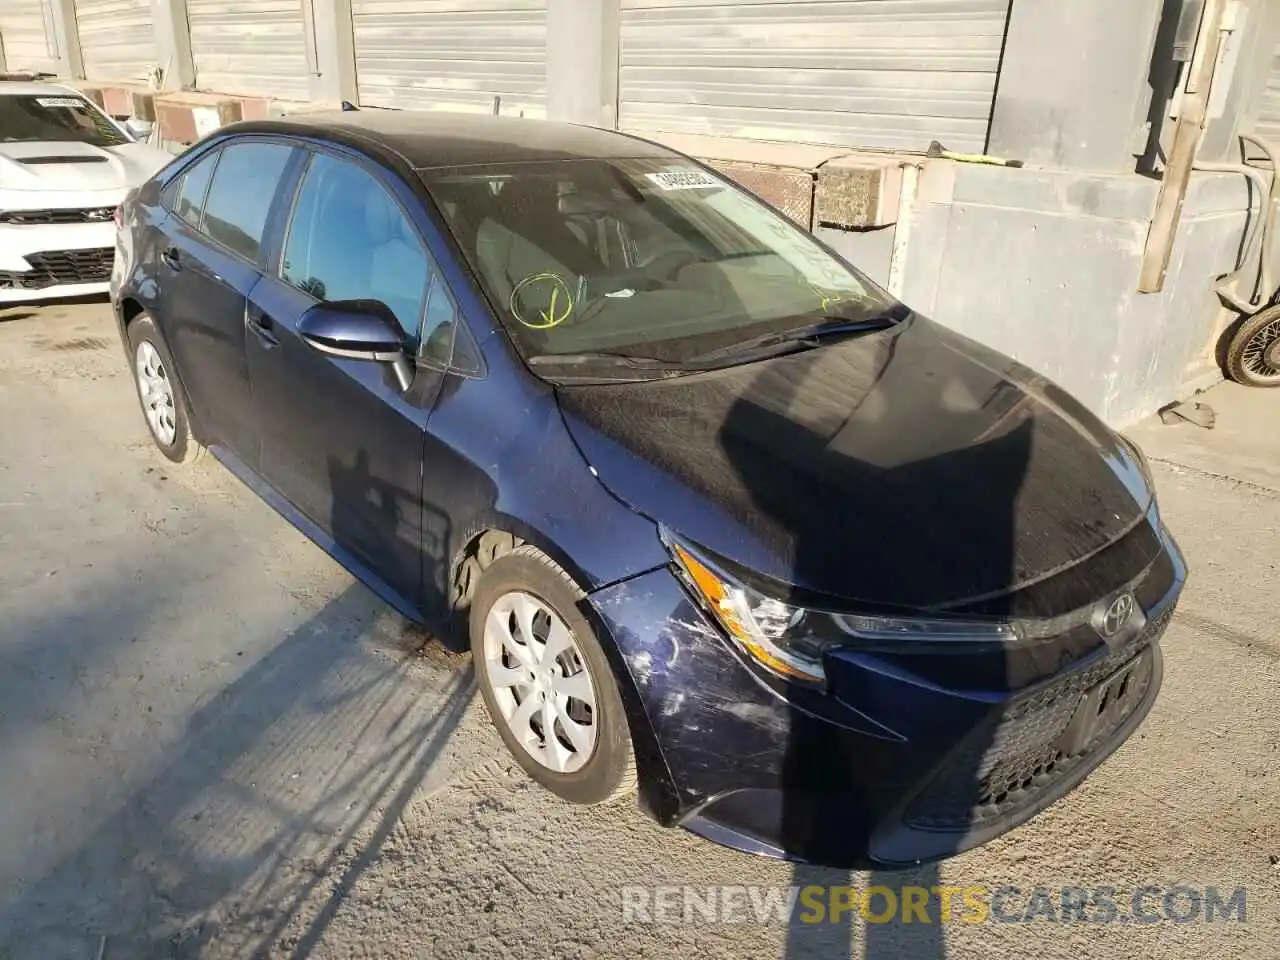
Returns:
(910,467)
(70,166)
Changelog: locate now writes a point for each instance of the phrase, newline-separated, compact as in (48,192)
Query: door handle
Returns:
(171,258)
(261,325)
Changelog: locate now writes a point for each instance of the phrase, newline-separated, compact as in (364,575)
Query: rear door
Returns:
(209,260)
(341,441)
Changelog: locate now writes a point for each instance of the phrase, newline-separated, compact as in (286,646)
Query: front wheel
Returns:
(546,681)
(1253,358)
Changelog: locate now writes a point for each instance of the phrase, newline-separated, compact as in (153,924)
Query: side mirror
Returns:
(358,330)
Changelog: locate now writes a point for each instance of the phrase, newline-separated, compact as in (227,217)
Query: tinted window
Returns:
(349,240)
(188,196)
(235,213)
(58,117)
(438,326)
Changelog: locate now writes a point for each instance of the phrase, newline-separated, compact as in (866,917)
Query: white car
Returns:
(65,166)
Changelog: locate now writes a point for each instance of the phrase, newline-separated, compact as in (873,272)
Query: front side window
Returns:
(239,199)
(349,240)
(58,117)
(647,258)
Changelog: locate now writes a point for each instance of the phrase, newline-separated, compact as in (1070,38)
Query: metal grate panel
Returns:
(250,47)
(452,54)
(872,73)
(116,38)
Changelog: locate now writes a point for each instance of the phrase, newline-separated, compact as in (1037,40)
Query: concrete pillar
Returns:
(173,44)
(582,61)
(333,51)
(66,38)
(1259,38)
(1073,90)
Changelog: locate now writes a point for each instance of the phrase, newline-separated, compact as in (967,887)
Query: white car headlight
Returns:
(790,641)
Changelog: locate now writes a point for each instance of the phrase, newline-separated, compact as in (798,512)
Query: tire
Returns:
(168,421)
(605,771)
(1246,360)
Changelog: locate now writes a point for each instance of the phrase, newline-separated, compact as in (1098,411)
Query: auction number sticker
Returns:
(688,179)
(60,101)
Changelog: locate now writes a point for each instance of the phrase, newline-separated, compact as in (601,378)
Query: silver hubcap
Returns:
(540,682)
(1261,355)
(156,392)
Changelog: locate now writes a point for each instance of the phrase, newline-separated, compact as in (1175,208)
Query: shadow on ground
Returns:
(316,748)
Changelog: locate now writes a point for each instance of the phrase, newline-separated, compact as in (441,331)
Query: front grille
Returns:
(26,218)
(1009,763)
(56,267)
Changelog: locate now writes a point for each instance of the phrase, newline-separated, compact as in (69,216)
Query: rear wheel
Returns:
(546,681)
(1253,358)
(163,403)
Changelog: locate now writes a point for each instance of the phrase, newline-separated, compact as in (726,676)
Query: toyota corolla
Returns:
(720,520)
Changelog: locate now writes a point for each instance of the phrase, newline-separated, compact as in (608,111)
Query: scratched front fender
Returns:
(725,741)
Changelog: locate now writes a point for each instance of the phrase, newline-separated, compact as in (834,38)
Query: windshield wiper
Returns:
(612,359)
(809,335)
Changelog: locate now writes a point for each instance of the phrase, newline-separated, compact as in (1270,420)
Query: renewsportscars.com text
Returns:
(971,904)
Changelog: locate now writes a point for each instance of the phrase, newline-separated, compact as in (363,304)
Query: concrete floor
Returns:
(214,744)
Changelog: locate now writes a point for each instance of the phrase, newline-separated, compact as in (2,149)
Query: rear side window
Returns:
(239,200)
(350,240)
(187,198)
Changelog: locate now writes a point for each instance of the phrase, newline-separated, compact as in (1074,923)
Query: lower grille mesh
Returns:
(1010,762)
(61,267)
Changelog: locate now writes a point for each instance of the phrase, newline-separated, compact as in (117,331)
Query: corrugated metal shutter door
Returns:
(116,39)
(875,73)
(22,31)
(452,54)
(1268,125)
(251,47)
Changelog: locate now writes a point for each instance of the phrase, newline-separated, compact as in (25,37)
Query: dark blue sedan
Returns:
(718,517)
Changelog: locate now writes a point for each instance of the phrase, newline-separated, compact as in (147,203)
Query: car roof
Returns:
(24,88)
(425,139)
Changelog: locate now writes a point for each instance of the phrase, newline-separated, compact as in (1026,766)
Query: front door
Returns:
(341,441)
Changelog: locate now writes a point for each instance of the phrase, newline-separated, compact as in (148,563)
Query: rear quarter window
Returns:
(185,196)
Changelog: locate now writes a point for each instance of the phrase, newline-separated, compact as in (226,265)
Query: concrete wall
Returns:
(1073,88)
(1043,265)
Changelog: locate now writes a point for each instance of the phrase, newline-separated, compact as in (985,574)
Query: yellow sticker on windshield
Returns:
(541,301)
(830,298)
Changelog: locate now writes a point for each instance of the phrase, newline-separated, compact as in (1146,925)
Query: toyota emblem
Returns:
(1117,615)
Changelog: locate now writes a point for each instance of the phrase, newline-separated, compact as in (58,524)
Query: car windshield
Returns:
(652,259)
(60,117)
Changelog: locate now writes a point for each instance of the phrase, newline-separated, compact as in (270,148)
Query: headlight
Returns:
(790,641)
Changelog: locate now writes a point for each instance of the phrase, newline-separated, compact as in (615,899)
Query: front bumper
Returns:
(885,768)
(48,261)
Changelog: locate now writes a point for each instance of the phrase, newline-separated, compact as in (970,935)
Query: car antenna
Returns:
(348,106)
